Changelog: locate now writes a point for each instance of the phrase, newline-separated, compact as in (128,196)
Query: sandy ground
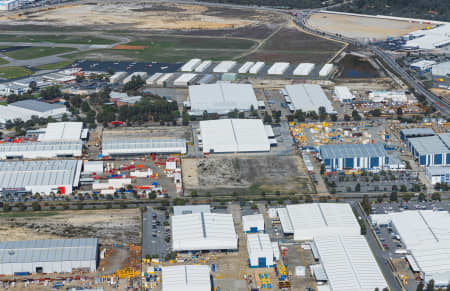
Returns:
(445,94)
(137,15)
(362,27)
(110,226)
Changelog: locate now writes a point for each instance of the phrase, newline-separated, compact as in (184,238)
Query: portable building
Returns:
(203,231)
(203,66)
(153,78)
(338,157)
(117,77)
(256,68)
(234,135)
(184,80)
(260,251)
(304,69)
(191,65)
(186,278)
(48,256)
(90,167)
(253,223)
(112,184)
(224,67)
(397,96)
(326,70)
(278,68)
(245,67)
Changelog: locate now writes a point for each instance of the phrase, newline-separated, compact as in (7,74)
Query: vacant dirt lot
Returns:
(362,27)
(271,173)
(124,15)
(110,226)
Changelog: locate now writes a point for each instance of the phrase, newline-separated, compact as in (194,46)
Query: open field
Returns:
(36,52)
(292,45)
(140,15)
(362,27)
(54,66)
(3,61)
(228,174)
(173,49)
(14,72)
(110,226)
(55,39)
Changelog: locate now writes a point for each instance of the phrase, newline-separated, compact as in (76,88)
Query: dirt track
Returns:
(362,27)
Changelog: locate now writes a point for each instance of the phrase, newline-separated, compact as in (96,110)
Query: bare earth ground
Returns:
(110,226)
(362,27)
(271,173)
(140,15)
(445,94)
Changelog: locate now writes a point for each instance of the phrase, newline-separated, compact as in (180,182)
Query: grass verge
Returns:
(36,52)
(54,66)
(14,72)
(14,214)
(56,39)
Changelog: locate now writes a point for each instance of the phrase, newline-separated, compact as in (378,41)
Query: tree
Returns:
(356,115)
(357,187)
(393,197)
(436,196)
(403,188)
(346,117)
(79,78)
(333,117)
(430,285)
(33,85)
(6,207)
(420,287)
(421,197)
(376,112)
(267,117)
(366,205)
(399,111)
(36,206)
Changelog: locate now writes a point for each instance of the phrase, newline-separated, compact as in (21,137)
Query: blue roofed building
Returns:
(354,156)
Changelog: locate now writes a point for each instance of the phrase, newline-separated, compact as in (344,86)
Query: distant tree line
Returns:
(282,4)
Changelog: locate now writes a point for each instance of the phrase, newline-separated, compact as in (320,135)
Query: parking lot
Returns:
(155,233)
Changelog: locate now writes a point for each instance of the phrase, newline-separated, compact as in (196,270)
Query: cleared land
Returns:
(110,226)
(141,15)
(14,72)
(292,45)
(54,66)
(362,27)
(55,39)
(36,52)
(173,49)
(243,174)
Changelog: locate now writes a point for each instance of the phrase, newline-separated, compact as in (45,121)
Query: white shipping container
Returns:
(142,174)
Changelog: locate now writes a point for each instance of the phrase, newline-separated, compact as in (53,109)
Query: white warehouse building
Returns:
(308,97)
(221,98)
(34,150)
(203,231)
(260,251)
(234,135)
(40,176)
(25,109)
(186,278)
(48,256)
(143,146)
(253,223)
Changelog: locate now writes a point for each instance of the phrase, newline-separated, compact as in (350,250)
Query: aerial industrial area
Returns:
(202,146)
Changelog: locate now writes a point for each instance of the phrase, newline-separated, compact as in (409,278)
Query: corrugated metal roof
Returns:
(189,209)
(352,151)
(428,145)
(349,263)
(35,173)
(8,148)
(417,131)
(138,146)
(203,231)
(83,249)
(62,131)
(255,220)
(34,105)
(186,278)
(308,97)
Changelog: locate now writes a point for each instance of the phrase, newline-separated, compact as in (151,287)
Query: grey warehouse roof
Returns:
(445,137)
(40,146)
(428,145)
(417,131)
(189,209)
(36,105)
(84,249)
(144,145)
(352,151)
(33,173)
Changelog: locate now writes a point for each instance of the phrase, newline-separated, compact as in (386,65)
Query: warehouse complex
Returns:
(429,38)
(234,135)
(221,98)
(430,251)
(26,108)
(186,278)
(306,221)
(353,156)
(49,256)
(40,176)
(203,231)
(308,97)
(143,146)
(349,263)
(431,150)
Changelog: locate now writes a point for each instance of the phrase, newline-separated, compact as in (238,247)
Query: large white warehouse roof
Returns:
(308,97)
(221,98)
(203,231)
(40,176)
(430,249)
(278,68)
(304,69)
(26,108)
(234,135)
(143,146)
(62,131)
(349,263)
(309,220)
(430,38)
(33,150)
(259,246)
(253,222)
(186,278)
